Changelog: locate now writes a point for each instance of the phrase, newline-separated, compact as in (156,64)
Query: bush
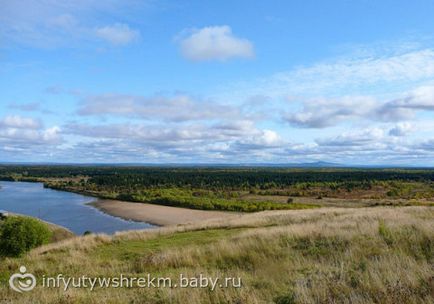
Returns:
(20,234)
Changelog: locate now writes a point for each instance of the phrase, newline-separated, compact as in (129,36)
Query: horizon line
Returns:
(307,165)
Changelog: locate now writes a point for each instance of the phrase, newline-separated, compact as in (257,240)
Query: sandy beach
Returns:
(156,214)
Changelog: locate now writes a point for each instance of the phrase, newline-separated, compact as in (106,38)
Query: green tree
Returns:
(20,234)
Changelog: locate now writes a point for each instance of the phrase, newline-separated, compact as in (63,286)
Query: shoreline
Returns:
(157,215)
(154,214)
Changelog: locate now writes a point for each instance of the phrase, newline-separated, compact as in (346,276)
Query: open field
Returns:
(333,255)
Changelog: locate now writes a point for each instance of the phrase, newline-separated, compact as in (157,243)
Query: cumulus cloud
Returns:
(404,108)
(18,122)
(260,140)
(427,145)
(229,141)
(322,113)
(401,129)
(51,135)
(174,132)
(421,98)
(215,43)
(141,132)
(354,138)
(173,108)
(23,133)
(117,34)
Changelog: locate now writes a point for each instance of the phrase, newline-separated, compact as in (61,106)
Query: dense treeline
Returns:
(212,178)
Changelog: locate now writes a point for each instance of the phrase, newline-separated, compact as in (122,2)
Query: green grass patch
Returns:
(385,233)
(127,249)
(320,246)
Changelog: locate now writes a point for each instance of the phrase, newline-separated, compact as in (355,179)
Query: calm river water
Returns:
(62,208)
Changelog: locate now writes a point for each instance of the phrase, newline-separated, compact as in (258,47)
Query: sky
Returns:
(87,81)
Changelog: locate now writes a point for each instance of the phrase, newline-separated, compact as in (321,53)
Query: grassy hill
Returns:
(363,255)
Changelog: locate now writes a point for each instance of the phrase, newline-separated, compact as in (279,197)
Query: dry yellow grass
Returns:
(363,255)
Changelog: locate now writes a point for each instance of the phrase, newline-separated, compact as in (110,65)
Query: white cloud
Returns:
(268,138)
(401,129)
(61,23)
(421,98)
(172,108)
(228,140)
(162,133)
(117,34)
(410,66)
(377,73)
(323,112)
(354,138)
(406,107)
(51,134)
(19,122)
(24,133)
(215,43)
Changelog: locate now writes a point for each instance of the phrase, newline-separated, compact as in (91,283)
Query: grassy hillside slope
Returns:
(364,255)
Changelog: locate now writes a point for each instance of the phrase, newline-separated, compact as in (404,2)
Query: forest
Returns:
(232,188)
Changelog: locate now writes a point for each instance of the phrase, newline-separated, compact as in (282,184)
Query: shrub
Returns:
(20,234)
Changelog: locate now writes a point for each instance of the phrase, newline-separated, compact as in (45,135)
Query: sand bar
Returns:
(156,214)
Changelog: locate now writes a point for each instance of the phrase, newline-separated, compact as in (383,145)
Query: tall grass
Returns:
(364,255)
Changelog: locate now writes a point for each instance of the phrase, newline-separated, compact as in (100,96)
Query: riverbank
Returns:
(157,214)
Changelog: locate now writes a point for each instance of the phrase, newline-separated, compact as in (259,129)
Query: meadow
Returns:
(330,255)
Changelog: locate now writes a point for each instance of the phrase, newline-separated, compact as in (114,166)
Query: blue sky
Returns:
(217,82)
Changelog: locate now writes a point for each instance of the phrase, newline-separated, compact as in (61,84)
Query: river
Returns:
(66,209)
